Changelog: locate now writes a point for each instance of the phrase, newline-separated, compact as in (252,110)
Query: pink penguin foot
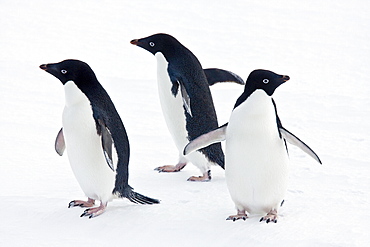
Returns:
(171,168)
(240,216)
(93,212)
(205,178)
(270,217)
(83,204)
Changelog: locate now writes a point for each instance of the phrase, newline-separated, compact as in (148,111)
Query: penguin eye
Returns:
(151,44)
(63,71)
(265,81)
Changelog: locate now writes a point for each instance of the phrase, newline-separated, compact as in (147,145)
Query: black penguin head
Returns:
(70,70)
(265,80)
(159,42)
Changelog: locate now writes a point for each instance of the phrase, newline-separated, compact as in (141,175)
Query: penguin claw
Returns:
(270,217)
(85,213)
(93,212)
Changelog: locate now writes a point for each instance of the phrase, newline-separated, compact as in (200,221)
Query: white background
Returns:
(324,46)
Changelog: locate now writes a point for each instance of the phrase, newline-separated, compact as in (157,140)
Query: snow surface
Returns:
(324,46)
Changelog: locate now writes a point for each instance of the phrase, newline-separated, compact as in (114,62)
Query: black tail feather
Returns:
(214,154)
(126,191)
(141,199)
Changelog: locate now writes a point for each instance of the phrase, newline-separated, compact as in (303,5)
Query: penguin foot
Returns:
(270,217)
(241,215)
(83,204)
(171,168)
(205,178)
(93,212)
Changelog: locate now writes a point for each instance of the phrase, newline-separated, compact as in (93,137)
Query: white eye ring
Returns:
(151,44)
(265,81)
(63,71)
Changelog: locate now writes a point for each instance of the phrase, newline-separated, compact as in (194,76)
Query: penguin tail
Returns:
(214,154)
(124,190)
(141,199)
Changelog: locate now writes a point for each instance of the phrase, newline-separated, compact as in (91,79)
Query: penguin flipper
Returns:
(205,140)
(185,99)
(292,139)
(219,75)
(60,144)
(176,83)
(107,143)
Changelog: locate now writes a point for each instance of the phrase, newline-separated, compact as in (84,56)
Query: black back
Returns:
(185,70)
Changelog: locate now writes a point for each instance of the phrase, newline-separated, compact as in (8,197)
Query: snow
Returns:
(322,45)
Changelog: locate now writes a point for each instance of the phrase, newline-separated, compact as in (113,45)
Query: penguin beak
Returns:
(44,67)
(134,42)
(285,78)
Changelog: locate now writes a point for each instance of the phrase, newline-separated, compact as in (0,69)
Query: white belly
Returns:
(84,148)
(256,160)
(172,107)
(173,112)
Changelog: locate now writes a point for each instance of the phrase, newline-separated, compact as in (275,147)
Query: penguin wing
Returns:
(185,99)
(60,144)
(107,143)
(205,140)
(292,139)
(219,75)
(178,81)
(184,94)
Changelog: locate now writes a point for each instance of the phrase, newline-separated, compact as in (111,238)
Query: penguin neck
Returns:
(73,95)
(257,103)
(248,91)
(162,60)
(163,80)
(174,53)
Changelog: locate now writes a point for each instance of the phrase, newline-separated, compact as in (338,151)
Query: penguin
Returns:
(186,100)
(256,154)
(96,141)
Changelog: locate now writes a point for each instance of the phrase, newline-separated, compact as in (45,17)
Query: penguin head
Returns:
(159,42)
(70,70)
(266,80)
